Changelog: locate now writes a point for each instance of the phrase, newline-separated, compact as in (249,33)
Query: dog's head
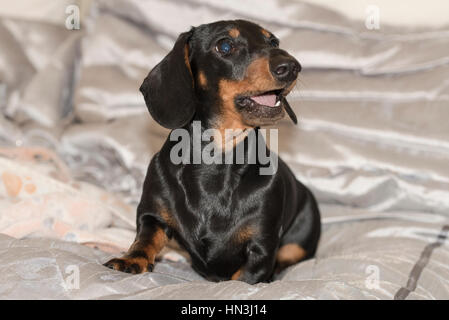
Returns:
(232,74)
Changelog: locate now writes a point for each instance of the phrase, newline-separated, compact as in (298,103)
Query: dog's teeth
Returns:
(278,103)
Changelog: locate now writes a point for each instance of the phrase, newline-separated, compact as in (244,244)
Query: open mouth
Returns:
(270,99)
(268,104)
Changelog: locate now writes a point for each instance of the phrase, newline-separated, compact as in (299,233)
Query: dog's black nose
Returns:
(284,68)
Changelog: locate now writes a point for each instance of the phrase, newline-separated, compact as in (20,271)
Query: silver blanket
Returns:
(372,143)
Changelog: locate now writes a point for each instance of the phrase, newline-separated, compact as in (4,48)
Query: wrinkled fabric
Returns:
(372,141)
(39,198)
(349,255)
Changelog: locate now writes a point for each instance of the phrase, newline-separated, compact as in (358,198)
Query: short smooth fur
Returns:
(235,223)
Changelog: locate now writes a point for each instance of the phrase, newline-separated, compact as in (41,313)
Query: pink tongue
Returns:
(266,100)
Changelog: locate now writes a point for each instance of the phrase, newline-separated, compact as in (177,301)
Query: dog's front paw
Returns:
(130,265)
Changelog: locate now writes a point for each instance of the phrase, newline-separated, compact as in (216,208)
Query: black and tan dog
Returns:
(234,222)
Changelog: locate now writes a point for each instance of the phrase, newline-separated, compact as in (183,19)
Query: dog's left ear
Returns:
(168,88)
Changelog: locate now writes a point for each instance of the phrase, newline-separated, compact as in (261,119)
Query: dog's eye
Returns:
(274,42)
(224,47)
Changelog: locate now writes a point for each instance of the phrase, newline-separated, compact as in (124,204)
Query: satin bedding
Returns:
(372,143)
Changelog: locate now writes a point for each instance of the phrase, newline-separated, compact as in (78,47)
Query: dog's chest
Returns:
(219,239)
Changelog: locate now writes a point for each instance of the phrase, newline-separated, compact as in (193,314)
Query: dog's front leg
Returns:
(150,240)
(259,265)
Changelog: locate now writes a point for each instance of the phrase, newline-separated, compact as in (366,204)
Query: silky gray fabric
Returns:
(372,140)
(350,254)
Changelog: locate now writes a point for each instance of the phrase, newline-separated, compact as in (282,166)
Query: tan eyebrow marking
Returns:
(266,33)
(234,32)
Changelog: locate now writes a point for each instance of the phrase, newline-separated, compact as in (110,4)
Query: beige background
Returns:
(398,12)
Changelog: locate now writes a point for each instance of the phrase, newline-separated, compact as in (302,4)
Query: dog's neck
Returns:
(228,129)
(242,153)
(227,140)
(224,137)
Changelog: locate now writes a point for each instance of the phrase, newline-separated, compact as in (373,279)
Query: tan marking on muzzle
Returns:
(257,78)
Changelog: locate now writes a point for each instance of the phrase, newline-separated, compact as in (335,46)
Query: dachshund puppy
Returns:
(235,222)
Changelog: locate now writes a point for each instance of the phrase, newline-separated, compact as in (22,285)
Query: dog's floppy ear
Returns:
(168,88)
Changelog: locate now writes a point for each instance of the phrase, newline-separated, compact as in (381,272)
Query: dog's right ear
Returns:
(168,89)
